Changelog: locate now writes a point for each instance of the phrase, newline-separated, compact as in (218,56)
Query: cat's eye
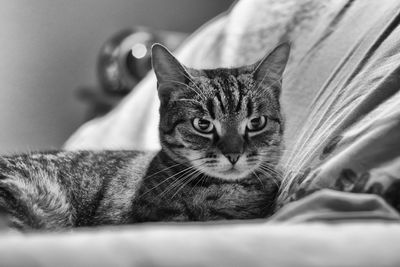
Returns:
(203,125)
(256,124)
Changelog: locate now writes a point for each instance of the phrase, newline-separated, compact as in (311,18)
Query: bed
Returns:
(339,202)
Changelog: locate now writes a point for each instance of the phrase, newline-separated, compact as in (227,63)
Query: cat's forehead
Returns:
(224,93)
(226,81)
(228,94)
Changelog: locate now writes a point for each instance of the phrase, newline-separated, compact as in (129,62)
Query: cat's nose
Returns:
(232,157)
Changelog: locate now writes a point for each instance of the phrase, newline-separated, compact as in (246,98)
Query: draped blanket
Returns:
(349,139)
(340,97)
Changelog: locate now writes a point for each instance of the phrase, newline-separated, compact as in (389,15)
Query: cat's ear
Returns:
(271,67)
(166,67)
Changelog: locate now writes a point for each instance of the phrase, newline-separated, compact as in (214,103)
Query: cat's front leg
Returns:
(233,201)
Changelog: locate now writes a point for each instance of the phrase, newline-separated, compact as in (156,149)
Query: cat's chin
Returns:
(230,175)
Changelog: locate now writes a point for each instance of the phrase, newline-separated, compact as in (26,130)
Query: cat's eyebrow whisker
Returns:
(188,86)
(189,100)
(190,79)
(192,88)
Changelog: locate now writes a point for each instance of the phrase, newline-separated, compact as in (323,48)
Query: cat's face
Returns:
(225,122)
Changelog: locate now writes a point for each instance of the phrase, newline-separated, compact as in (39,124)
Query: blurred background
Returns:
(50,47)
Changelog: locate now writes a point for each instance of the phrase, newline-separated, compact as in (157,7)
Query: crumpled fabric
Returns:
(350,137)
(331,206)
(340,92)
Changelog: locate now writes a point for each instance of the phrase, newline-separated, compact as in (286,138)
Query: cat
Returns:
(221,137)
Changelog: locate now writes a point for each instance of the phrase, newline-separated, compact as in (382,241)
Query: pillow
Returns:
(349,139)
(242,36)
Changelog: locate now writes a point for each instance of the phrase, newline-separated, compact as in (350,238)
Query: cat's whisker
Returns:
(181,173)
(271,177)
(199,172)
(270,167)
(278,159)
(188,179)
(175,165)
(175,183)
(181,178)
(281,164)
(180,183)
(271,170)
(203,180)
(168,179)
(259,179)
(198,181)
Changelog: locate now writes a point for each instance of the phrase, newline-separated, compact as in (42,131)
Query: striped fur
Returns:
(227,173)
(229,99)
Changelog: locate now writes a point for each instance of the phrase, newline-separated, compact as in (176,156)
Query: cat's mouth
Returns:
(226,171)
(233,170)
(233,173)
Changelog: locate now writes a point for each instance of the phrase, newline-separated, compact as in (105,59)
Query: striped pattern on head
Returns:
(225,122)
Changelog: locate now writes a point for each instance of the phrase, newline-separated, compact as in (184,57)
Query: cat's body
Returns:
(221,135)
(56,190)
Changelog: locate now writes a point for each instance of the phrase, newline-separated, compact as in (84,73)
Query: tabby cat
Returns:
(221,135)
